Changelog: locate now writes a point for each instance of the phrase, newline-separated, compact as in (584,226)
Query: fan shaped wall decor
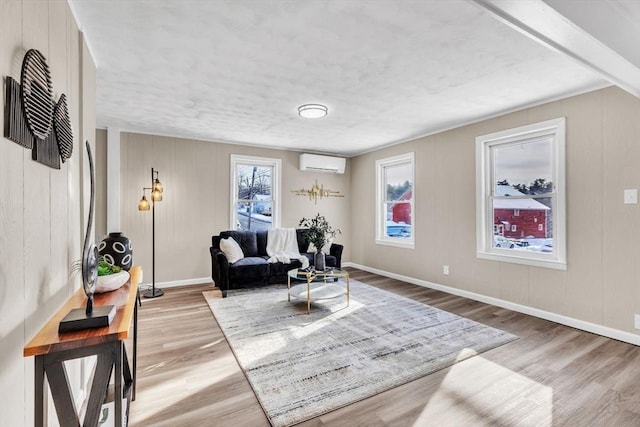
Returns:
(37,93)
(32,117)
(62,127)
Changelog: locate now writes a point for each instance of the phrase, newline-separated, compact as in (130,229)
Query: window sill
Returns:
(531,262)
(396,243)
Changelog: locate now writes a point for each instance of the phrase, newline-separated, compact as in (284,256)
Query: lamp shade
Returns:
(157,185)
(156,195)
(143,204)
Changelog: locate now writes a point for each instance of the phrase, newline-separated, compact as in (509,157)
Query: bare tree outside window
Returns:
(255,202)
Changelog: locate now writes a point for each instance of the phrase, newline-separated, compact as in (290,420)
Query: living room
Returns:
(594,291)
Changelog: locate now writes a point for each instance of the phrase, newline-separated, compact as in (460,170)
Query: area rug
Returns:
(303,365)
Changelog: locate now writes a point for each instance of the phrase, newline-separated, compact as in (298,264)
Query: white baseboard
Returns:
(547,315)
(172,284)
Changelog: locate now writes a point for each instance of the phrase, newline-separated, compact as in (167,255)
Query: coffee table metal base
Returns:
(317,290)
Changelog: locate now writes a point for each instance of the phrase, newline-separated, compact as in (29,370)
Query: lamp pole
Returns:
(153,249)
(143,205)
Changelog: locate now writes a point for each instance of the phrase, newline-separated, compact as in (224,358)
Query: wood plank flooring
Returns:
(552,376)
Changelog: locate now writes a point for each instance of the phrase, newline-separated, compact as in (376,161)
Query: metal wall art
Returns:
(46,151)
(32,118)
(315,192)
(62,128)
(15,126)
(37,94)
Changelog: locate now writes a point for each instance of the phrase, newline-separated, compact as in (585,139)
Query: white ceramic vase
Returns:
(111,282)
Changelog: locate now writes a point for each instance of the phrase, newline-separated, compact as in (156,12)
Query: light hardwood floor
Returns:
(552,376)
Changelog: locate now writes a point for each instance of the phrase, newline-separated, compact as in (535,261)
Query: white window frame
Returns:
(485,185)
(237,159)
(381,214)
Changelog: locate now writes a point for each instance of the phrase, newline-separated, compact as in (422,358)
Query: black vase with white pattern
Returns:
(116,250)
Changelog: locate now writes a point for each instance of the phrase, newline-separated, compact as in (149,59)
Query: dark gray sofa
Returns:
(253,269)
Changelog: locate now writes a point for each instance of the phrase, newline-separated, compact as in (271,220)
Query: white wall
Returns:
(40,207)
(603,154)
(600,285)
(195,176)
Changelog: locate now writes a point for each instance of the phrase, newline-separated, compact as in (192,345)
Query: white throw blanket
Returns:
(282,246)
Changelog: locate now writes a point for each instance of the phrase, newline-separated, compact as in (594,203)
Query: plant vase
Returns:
(116,250)
(319,261)
(111,282)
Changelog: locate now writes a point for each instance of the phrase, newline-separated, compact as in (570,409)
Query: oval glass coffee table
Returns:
(319,285)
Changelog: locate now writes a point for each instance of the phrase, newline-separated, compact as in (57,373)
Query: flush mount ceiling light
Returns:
(312,111)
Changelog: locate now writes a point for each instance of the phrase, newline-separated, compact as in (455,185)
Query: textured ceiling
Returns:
(388,70)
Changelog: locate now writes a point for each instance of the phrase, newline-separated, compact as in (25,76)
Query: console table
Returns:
(51,349)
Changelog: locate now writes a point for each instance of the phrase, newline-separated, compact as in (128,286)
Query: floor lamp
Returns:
(143,205)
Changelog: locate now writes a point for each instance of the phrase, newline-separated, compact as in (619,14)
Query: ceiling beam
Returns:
(542,23)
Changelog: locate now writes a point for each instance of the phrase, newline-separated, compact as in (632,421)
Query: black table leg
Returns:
(39,392)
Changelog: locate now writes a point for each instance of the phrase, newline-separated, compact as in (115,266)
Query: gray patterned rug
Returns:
(301,366)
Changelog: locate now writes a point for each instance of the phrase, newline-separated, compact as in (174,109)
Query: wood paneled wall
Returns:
(603,157)
(195,176)
(40,208)
(603,151)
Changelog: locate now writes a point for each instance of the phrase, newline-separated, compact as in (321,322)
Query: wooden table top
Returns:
(49,340)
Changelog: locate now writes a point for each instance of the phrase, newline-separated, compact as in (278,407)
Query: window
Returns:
(394,201)
(522,170)
(255,184)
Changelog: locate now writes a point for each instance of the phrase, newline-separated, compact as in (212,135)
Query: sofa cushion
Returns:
(280,269)
(246,240)
(231,249)
(330,261)
(249,268)
(303,244)
(310,256)
(261,238)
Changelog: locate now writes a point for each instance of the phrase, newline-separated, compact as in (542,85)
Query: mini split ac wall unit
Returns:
(318,163)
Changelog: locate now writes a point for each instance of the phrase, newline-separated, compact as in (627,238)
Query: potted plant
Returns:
(110,277)
(319,232)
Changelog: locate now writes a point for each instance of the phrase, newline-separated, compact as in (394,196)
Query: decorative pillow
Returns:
(325,249)
(231,249)
(247,240)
